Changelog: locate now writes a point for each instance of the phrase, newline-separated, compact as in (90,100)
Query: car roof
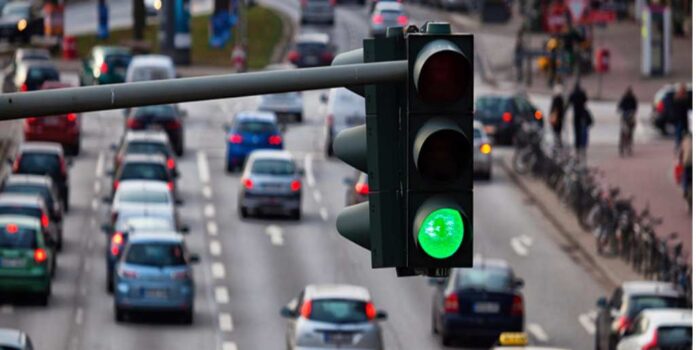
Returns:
(24,199)
(146,135)
(145,210)
(156,236)
(650,287)
(20,220)
(152,60)
(321,38)
(34,146)
(669,316)
(389,6)
(271,154)
(17,179)
(12,337)
(108,49)
(143,185)
(336,291)
(269,117)
(31,63)
(144,158)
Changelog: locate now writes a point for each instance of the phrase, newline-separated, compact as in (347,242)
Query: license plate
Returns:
(486,308)
(12,263)
(490,129)
(156,293)
(120,71)
(338,338)
(311,60)
(50,121)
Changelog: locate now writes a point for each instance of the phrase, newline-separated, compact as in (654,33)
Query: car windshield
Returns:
(486,279)
(39,164)
(489,107)
(20,210)
(44,192)
(149,223)
(159,111)
(15,236)
(155,254)
(311,46)
(151,73)
(140,219)
(147,148)
(255,126)
(642,302)
(477,133)
(118,60)
(675,337)
(41,74)
(19,10)
(142,196)
(338,311)
(144,171)
(273,167)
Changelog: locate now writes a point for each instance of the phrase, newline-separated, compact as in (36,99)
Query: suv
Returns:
(35,207)
(251,131)
(145,142)
(616,315)
(164,117)
(144,167)
(45,158)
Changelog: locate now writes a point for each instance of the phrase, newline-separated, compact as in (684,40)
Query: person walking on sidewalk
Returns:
(680,110)
(557,115)
(685,154)
(582,120)
(628,106)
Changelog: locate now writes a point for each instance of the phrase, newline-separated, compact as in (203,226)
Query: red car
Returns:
(63,129)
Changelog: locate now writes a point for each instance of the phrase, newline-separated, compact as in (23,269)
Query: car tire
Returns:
(243,212)
(187,317)
(119,314)
(59,244)
(296,214)
(229,168)
(299,118)
(446,340)
(45,296)
(109,283)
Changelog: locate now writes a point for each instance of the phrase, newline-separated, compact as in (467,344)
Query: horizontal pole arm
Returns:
(126,95)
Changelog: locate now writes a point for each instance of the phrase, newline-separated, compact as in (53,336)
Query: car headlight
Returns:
(157,4)
(22,24)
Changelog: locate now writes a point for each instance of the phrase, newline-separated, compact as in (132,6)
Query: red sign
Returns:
(598,17)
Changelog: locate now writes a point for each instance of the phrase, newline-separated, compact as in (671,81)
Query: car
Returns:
(250,131)
(152,7)
(333,316)
(358,189)
(286,104)
(21,55)
(661,115)
(30,75)
(27,260)
(45,158)
(346,109)
(374,3)
(145,142)
(37,185)
(483,159)
(105,65)
(130,223)
(312,50)
(13,339)
(501,115)
(63,129)
(144,167)
(150,67)
(165,117)
(317,11)
(616,315)
(659,329)
(154,274)
(387,14)
(271,182)
(33,205)
(466,5)
(135,194)
(19,21)
(478,302)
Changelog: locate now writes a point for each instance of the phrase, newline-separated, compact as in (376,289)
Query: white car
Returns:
(138,195)
(150,67)
(659,329)
(346,109)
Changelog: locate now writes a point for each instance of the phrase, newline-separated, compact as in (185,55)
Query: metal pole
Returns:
(94,98)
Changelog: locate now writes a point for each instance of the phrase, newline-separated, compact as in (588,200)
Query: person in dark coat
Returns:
(581,119)
(628,106)
(680,113)
(557,114)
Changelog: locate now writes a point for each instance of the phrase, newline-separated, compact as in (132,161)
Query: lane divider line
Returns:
(222,296)
(207,192)
(308,170)
(209,211)
(225,322)
(518,247)
(587,324)
(95,204)
(538,332)
(215,248)
(97,187)
(78,316)
(212,228)
(203,170)
(276,234)
(99,170)
(324,214)
(218,270)
(317,196)
(228,345)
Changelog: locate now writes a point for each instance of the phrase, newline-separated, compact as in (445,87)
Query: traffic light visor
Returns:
(441,72)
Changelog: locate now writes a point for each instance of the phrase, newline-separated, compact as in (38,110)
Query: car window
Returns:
(490,107)
(488,279)
(675,337)
(39,164)
(150,73)
(477,133)
(44,192)
(255,126)
(141,196)
(147,148)
(20,10)
(118,60)
(615,301)
(144,171)
(156,254)
(41,74)
(338,311)
(20,210)
(148,223)
(272,167)
(15,236)
(311,46)
(157,112)
(642,302)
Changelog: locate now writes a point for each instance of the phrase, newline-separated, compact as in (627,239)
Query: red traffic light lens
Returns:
(443,77)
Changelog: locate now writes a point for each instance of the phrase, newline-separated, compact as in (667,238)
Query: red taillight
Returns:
(173,124)
(295,185)
(11,228)
(402,20)
(116,243)
(538,115)
(652,345)
(72,117)
(332,2)
(104,68)
(621,324)
(44,220)
(115,185)
(170,163)
(370,310)
(517,306)
(40,255)
(180,275)
(293,56)
(378,19)
(660,107)
(236,138)
(327,57)
(24,87)
(132,123)
(248,184)
(362,188)
(306,309)
(170,185)
(275,140)
(32,120)
(507,117)
(452,303)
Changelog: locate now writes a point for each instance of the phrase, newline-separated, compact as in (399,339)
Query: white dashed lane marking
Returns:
(317,196)
(215,248)
(225,322)
(99,170)
(212,228)
(537,332)
(276,234)
(587,322)
(228,345)
(218,270)
(209,211)
(78,316)
(324,214)
(222,296)
(203,171)
(308,170)
(207,192)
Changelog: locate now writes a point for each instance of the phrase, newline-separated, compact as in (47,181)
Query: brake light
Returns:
(115,185)
(362,188)
(170,185)
(327,57)
(306,309)
(538,115)
(180,275)
(452,303)
(32,120)
(293,56)
(248,184)
(104,68)
(652,345)
(660,106)
(133,123)
(24,87)
(173,124)
(72,117)
(170,163)
(44,220)
(11,228)
(485,148)
(507,117)
(621,324)
(370,310)
(402,20)
(378,19)
(295,185)
(116,242)
(275,140)
(517,306)
(40,255)
(236,138)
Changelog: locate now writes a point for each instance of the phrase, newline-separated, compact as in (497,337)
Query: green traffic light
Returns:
(441,233)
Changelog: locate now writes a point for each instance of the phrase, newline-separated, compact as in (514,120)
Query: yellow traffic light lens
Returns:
(485,148)
(22,25)
(441,233)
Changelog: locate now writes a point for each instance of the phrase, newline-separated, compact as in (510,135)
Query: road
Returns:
(251,268)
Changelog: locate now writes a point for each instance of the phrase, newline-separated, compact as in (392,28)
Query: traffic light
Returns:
(439,150)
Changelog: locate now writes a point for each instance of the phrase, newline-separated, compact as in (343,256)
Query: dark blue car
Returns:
(478,303)
(250,131)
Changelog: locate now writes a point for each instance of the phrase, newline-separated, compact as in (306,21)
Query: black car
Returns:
(37,185)
(45,158)
(30,75)
(501,115)
(312,50)
(616,315)
(662,113)
(22,55)
(478,303)
(19,21)
(165,117)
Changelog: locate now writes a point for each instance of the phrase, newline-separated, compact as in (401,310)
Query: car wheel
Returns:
(229,168)
(180,149)
(299,118)
(446,340)
(75,149)
(119,314)
(109,282)
(59,244)
(45,296)
(187,317)
(243,212)
(296,214)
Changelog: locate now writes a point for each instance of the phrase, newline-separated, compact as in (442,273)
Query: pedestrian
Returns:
(685,151)
(519,54)
(582,120)
(557,114)
(680,113)
(627,107)
(552,48)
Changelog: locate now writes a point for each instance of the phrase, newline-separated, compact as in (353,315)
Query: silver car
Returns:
(321,11)
(346,109)
(333,316)
(271,183)
(137,195)
(387,14)
(483,159)
(284,104)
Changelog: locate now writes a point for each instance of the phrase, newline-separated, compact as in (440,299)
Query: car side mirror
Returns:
(185,229)
(183,113)
(382,315)
(70,162)
(519,283)
(323,98)
(110,172)
(106,200)
(602,303)
(194,258)
(287,312)
(126,111)
(301,171)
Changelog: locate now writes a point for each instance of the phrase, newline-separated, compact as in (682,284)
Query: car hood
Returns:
(10,20)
